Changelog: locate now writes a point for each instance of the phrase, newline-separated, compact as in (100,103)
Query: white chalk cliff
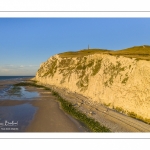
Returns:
(120,82)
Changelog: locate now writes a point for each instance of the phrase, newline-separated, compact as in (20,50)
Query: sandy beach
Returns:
(41,112)
(115,121)
(48,117)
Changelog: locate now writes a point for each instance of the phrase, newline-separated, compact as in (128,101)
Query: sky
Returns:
(27,42)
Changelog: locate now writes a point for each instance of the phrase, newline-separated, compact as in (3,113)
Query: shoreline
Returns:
(87,122)
(115,121)
(50,121)
(49,117)
(106,117)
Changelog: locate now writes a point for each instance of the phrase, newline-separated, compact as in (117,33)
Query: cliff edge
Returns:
(118,79)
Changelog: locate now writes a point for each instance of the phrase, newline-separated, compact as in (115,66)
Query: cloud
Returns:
(21,66)
(10,69)
(5,70)
(33,65)
(9,65)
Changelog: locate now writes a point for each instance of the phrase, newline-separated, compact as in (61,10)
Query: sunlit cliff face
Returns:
(120,82)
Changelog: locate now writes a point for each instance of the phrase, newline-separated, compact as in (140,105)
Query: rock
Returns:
(116,80)
(91,113)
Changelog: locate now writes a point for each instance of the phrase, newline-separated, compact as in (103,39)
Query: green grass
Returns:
(82,52)
(83,83)
(91,123)
(96,68)
(70,109)
(125,80)
(119,109)
(113,71)
(134,115)
(51,70)
(80,69)
(107,105)
(139,52)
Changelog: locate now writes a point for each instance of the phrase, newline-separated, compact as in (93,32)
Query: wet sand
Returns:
(115,121)
(49,117)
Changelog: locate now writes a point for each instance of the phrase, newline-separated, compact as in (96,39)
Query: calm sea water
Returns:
(15,118)
(14,77)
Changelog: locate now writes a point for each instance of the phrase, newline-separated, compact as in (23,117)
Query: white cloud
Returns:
(21,66)
(33,65)
(10,69)
(5,70)
(9,65)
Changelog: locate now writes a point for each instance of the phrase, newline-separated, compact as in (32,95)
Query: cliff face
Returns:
(119,82)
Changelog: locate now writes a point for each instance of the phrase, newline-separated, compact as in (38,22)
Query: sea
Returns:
(14,116)
(14,77)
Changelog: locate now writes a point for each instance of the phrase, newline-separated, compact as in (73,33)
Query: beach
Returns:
(41,113)
(110,118)
(35,109)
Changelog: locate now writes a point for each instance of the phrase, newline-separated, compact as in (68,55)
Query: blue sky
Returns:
(27,42)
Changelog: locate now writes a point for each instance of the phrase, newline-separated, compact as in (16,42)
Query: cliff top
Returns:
(139,52)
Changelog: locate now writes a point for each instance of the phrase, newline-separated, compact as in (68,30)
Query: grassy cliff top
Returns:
(83,52)
(139,52)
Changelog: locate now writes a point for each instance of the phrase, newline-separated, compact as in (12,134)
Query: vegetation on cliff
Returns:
(113,71)
(116,78)
(139,52)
